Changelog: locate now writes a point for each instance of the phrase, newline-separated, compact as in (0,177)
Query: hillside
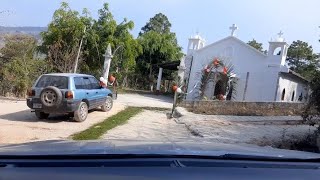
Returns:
(33,31)
(22,30)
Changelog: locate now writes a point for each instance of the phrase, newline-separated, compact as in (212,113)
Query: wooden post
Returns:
(174,103)
(245,87)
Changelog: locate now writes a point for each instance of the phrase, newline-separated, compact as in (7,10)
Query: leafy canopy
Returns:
(61,40)
(256,45)
(159,45)
(301,59)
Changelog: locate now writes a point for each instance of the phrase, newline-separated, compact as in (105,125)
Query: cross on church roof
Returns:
(233,28)
(280,34)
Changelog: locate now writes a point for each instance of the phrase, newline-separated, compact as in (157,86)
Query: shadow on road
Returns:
(162,98)
(144,97)
(28,116)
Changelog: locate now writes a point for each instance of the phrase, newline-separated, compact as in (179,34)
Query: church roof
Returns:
(296,75)
(236,39)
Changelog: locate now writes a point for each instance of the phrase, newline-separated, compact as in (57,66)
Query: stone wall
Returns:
(244,108)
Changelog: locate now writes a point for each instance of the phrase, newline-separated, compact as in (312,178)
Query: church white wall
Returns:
(261,87)
(291,85)
(262,80)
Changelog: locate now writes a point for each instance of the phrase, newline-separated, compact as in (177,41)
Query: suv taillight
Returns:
(31,92)
(69,95)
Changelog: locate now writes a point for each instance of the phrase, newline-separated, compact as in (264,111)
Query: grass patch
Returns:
(97,130)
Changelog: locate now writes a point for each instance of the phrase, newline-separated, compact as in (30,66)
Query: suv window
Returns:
(60,82)
(78,82)
(82,83)
(87,83)
(94,83)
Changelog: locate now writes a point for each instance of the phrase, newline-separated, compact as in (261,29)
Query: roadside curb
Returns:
(11,99)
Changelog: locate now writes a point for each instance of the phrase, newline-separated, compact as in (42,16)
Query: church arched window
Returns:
(277,51)
(283,94)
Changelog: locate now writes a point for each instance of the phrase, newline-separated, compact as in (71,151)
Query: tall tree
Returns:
(159,45)
(256,45)
(61,40)
(106,31)
(301,59)
(159,23)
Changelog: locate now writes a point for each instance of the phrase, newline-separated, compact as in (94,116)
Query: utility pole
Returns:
(79,50)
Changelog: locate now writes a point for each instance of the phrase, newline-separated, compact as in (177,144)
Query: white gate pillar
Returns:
(159,79)
(107,62)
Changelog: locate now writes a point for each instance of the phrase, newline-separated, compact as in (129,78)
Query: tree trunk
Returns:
(125,81)
(150,74)
(136,83)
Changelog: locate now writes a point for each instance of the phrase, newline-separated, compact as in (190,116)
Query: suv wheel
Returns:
(41,115)
(107,105)
(50,96)
(81,113)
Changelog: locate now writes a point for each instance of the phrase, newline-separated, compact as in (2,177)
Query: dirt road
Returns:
(150,126)
(19,125)
(154,126)
(145,100)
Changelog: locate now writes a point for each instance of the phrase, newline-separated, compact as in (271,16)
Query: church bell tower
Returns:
(195,42)
(278,49)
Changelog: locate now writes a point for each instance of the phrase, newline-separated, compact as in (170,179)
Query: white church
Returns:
(259,77)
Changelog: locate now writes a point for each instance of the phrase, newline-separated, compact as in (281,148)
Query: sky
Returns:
(257,19)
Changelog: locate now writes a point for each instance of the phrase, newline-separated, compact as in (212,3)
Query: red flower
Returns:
(206,69)
(220,97)
(225,70)
(111,78)
(216,62)
(174,88)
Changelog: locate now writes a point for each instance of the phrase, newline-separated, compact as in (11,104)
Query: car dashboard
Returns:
(72,167)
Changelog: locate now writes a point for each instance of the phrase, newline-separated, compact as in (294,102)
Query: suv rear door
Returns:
(97,92)
(84,90)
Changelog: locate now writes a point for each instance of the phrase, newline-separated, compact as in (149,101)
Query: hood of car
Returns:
(151,148)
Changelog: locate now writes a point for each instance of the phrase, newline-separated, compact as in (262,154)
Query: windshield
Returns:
(60,82)
(242,76)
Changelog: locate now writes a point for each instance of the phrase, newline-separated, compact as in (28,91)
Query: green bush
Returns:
(312,113)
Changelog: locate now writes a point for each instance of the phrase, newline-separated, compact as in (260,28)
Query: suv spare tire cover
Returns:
(51,96)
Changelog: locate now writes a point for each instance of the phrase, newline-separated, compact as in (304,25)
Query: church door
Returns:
(218,89)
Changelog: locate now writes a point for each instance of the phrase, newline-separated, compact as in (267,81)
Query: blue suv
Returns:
(72,94)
